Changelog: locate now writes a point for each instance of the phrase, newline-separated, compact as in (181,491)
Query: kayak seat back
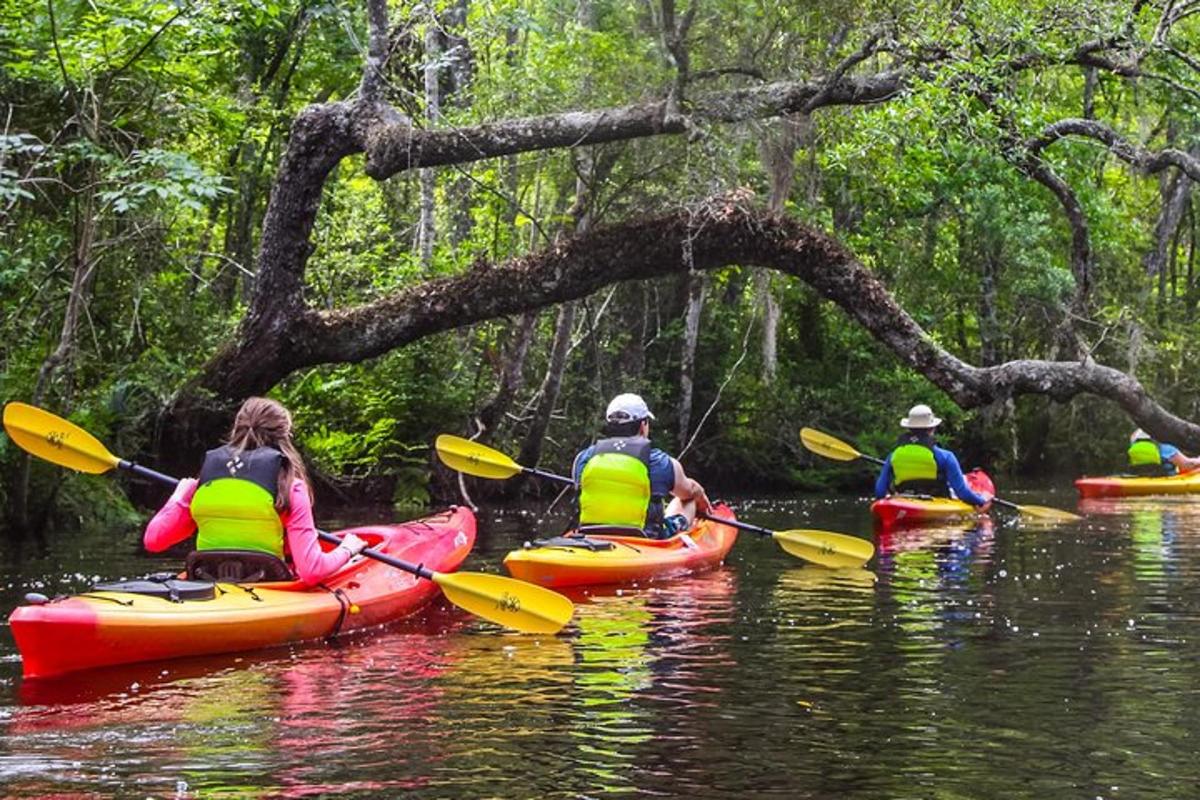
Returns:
(167,587)
(236,566)
(579,542)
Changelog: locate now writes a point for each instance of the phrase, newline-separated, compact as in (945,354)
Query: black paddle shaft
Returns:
(733,523)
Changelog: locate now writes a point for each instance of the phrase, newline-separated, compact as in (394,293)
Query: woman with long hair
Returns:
(252,495)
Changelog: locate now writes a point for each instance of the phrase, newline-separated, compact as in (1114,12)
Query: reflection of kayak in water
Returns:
(900,540)
(1131,486)
(899,510)
(602,558)
(821,579)
(101,628)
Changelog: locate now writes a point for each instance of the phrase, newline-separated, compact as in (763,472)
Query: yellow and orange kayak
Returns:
(104,627)
(601,558)
(1130,486)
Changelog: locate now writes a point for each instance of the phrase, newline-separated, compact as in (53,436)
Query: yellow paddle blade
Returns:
(507,601)
(835,550)
(52,438)
(1048,514)
(825,445)
(473,458)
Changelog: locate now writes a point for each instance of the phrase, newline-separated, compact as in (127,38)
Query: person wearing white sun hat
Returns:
(623,480)
(919,466)
(1150,457)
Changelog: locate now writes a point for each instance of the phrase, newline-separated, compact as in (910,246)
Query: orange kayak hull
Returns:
(632,559)
(103,628)
(1122,486)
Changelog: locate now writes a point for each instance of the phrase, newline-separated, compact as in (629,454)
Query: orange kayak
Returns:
(900,510)
(105,627)
(602,558)
(1131,486)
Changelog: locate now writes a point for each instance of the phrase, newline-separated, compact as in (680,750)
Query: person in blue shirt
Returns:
(623,480)
(919,466)
(1148,457)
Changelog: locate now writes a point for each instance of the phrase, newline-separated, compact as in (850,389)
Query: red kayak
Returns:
(903,509)
(116,626)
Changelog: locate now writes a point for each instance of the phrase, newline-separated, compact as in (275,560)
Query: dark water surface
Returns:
(995,661)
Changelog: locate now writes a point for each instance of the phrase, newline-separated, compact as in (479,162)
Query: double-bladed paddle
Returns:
(506,601)
(831,447)
(820,547)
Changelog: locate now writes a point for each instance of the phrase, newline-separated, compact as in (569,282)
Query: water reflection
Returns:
(982,661)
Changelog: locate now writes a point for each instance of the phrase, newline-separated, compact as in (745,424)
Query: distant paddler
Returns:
(1151,458)
(919,466)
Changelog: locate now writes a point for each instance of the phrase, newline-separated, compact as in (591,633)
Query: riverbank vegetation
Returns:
(486,218)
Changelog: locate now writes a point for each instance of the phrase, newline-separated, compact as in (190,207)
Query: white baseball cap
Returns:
(627,408)
(1138,434)
(920,416)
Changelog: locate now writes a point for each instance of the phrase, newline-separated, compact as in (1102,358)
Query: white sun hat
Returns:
(627,408)
(920,416)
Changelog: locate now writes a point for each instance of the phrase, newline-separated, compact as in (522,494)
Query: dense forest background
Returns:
(1017,175)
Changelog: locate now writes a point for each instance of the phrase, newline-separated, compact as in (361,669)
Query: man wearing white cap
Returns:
(1148,457)
(623,480)
(919,466)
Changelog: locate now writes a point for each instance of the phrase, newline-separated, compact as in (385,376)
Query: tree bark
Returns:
(696,290)
(82,280)
(531,446)
(1175,191)
(427,226)
(512,376)
(778,154)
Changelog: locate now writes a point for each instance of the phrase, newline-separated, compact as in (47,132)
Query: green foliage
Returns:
(143,137)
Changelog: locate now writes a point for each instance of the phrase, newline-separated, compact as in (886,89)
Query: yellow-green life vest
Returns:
(1144,452)
(614,487)
(1145,458)
(914,469)
(234,506)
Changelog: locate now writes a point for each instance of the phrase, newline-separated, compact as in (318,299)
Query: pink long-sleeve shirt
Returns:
(173,523)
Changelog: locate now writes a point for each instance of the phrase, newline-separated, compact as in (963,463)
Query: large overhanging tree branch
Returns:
(281,333)
(723,232)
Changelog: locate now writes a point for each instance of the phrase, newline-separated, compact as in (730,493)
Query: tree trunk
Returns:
(1174,191)
(461,69)
(531,447)
(427,227)
(778,153)
(512,376)
(82,281)
(696,290)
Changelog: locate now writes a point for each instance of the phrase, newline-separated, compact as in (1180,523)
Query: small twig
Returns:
(732,371)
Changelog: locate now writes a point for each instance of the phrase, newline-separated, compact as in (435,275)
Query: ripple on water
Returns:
(985,661)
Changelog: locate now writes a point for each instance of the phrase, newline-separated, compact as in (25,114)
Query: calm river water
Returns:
(998,661)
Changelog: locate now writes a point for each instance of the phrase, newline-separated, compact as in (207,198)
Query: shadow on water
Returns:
(987,660)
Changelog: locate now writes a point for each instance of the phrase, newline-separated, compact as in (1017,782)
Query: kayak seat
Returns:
(580,542)
(1148,471)
(236,566)
(918,488)
(166,586)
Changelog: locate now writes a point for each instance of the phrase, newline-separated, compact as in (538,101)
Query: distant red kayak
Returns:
(910,510)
